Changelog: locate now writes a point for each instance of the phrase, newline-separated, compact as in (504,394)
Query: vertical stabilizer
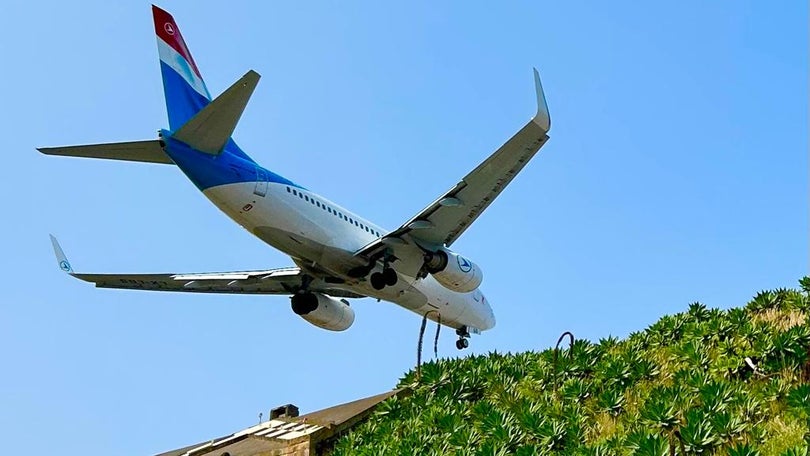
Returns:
(183,85)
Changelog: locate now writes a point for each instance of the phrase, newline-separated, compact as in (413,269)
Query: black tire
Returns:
(377,281)
(458,344)
(390,277)
(464,343)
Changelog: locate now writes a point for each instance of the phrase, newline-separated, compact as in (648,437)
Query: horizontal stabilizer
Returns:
(211,128)
(138,151)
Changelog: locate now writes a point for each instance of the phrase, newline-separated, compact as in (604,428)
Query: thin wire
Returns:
(419,349)
(436,340)
(557,351)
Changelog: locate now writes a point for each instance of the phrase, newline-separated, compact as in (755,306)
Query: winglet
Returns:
(212,127)
(64,264)
(542,118)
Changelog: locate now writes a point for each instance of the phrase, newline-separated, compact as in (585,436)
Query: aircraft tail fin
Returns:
(183,85)
(211,128)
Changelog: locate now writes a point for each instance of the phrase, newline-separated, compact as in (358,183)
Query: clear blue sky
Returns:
(676,171)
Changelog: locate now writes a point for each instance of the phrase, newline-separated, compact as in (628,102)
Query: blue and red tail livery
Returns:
(183,84)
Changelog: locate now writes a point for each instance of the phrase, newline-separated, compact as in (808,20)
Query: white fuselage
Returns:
(320,235)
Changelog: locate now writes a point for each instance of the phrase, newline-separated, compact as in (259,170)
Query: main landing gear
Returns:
(463,341)
(388,277)
(379,280)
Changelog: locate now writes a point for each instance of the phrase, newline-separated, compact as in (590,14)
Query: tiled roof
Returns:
(278,433)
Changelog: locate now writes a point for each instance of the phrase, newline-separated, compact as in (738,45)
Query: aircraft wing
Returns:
(445,219)
(281,281)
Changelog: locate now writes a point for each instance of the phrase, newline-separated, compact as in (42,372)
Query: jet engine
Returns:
(453,271)
(323,311)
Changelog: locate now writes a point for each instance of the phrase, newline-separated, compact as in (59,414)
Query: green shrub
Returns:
(683,382)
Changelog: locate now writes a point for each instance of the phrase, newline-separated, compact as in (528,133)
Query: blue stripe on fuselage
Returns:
(206,170)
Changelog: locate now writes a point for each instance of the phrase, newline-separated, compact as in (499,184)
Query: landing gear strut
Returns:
(302,300)
(463,341)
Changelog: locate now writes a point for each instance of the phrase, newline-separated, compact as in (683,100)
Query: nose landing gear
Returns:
(463,335)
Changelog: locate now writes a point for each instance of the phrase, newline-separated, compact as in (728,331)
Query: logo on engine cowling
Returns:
(464,264)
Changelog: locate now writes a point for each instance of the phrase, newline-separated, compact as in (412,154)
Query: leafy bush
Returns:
(704,381)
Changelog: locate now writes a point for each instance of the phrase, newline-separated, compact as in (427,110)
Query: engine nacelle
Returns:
(454,271)
(323,311)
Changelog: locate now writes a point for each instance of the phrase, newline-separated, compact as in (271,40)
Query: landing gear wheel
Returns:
(390,277)
(462,342)
(377,281)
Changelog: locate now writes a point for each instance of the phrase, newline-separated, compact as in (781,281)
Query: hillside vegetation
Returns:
(705,381)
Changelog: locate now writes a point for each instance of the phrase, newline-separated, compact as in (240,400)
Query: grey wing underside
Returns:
(444,220)
(282,281)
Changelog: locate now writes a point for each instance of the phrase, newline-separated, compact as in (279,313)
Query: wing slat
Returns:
(271,282)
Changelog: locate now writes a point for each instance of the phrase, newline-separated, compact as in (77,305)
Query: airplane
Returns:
(338,255)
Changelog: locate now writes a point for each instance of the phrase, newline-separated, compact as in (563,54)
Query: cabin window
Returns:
(306,198)
(288,190)
(318,203)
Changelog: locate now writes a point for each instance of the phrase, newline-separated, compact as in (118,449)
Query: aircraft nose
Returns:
(490,320)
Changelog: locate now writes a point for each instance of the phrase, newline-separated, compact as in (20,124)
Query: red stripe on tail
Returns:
(167,30)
